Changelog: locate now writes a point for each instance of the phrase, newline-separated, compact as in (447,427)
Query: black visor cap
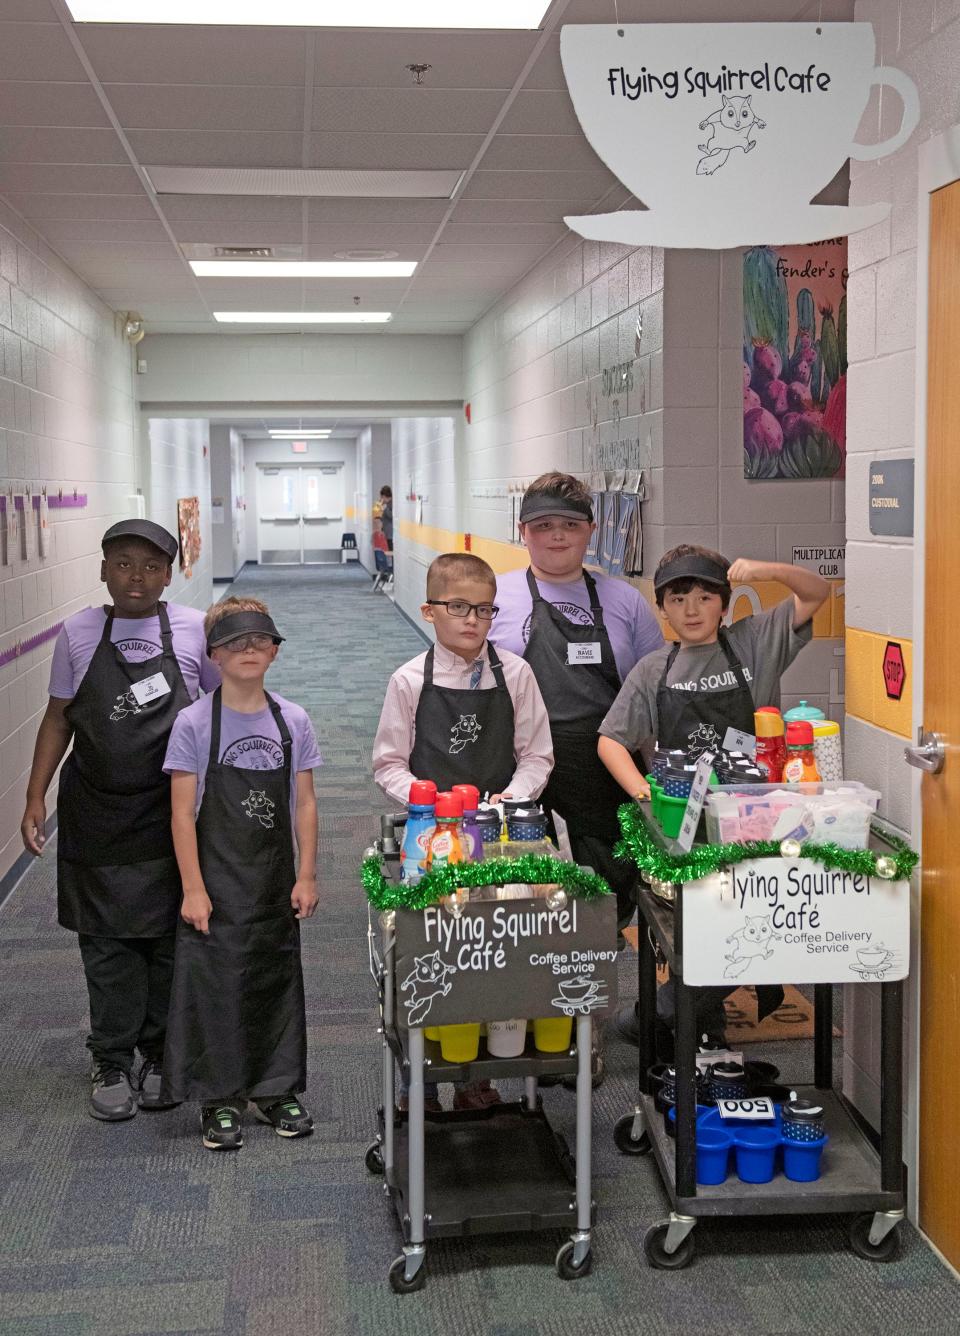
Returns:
(145,529)
(692,567)
(238,624)
(540,504)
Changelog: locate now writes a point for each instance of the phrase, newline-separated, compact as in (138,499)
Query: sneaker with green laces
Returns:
(285,1115)
(220,1125)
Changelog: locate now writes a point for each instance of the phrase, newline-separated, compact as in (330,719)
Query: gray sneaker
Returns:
(149,1084)
(111,1099)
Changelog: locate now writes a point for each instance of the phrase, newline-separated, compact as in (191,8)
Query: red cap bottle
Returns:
(448,805)
(423,793)
(800,733)
(469,795)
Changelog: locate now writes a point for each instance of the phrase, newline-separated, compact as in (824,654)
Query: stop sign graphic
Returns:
(894,670)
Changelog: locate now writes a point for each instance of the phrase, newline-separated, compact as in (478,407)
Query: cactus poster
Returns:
(795,361)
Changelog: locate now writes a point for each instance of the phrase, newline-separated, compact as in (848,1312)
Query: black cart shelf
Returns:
(856,1178)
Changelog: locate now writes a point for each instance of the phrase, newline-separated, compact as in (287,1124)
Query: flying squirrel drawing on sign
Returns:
(753,941)
(730,128)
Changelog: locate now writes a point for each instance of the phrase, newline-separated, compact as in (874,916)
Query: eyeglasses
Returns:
(237,646)
(458,607)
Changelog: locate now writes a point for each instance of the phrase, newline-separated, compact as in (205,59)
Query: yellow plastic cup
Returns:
(460,1043)
(432,1032)
(552,1034)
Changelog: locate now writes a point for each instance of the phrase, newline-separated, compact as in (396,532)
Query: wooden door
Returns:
(940,912)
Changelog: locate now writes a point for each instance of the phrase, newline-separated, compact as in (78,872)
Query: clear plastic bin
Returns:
(838,813)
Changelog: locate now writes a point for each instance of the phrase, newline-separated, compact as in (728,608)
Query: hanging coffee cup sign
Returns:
(726,131)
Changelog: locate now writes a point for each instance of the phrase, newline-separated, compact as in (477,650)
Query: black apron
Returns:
(237,1025)
(116,870)
(697,721)
(577,697)
(464,736)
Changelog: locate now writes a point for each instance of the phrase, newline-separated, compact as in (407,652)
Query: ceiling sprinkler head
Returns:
(418,71)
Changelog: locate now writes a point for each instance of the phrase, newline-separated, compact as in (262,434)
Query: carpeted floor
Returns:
(133,1228)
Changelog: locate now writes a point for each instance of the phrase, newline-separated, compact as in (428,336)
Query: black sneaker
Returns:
(111,1097)
(286,1116)
(149,1083)
(220,1125)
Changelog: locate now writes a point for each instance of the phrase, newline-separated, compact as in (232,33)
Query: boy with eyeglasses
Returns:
(241,763)
(463,713)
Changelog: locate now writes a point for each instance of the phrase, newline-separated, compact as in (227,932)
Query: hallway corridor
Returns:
(133,1229)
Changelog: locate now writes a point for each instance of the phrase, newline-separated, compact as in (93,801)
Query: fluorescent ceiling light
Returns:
(303,268)
(317,13)
(308,182)
(298,435)
(302,317)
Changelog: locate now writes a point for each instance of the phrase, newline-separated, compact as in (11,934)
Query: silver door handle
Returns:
(929,754)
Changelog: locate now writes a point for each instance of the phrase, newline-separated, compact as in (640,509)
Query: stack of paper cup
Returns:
(827,750)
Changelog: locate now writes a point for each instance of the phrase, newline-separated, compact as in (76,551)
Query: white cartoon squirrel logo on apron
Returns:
(259,807)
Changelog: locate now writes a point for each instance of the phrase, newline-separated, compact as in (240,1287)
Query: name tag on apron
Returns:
(590,651)
(151,688)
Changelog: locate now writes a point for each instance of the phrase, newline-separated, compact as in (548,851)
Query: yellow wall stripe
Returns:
(866,694)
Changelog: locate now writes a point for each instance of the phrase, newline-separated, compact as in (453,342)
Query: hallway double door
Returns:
(300,514)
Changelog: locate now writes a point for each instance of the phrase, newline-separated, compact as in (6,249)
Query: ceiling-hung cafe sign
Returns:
(726,131)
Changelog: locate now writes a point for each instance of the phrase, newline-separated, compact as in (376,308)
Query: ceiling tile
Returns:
(195,55)
(402,237)
(226,232)
(459,60)
(393,150)
(140,231)
(100,253)
(541,113)
(569,187)
(33,144)
(197,148)
(50,104)
(93,207)
(444,255)
(484,211)
(180,209)
(552,153)
(524,233)
(38,51)
(376,210)
(47,178)
(405,110)
(186,107)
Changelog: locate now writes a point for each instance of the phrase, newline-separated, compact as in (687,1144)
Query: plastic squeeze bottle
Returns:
(801,766)
(420,823)
(446,843)
(771,743)
(470,795)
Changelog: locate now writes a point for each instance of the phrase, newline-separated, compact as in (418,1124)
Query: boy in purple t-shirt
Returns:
(242,765)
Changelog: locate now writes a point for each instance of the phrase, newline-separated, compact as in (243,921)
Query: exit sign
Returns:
(298,447)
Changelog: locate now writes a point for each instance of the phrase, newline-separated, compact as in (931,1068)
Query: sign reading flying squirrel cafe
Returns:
(727,131)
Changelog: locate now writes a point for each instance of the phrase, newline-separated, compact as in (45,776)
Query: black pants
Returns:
(128,980)
(597,852)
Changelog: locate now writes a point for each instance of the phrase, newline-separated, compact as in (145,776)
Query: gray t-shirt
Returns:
(766,644)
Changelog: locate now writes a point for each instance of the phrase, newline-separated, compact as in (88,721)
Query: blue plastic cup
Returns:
(713,1155)
(801,1159)
(756,1153)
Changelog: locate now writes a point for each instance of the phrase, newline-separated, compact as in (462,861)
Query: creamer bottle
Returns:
(420,824)
(446,843)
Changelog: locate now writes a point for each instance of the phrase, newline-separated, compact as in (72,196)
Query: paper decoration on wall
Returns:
(726,131)
(795,361)
(7,529)
(188,525)
(616,545)
(43,524)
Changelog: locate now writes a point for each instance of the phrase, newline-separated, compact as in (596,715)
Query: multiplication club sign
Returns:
(506,959)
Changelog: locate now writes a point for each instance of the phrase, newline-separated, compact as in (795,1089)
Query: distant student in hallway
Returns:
(119,676)
(242,765)
(462,675)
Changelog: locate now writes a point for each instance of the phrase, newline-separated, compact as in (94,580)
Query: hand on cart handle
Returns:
(643,793)
(304,897)
(497,798)
(196,909)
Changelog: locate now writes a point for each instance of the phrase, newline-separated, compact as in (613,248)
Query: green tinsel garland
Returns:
(531,869)
(704,859)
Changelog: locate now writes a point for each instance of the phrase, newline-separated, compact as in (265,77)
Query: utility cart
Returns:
(859,933)
(502,1168)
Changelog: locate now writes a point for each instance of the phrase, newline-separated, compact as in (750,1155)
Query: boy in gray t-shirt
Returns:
(712,677)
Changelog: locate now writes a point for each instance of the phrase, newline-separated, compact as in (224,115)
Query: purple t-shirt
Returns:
(137,638)
(631,624)
(250,741)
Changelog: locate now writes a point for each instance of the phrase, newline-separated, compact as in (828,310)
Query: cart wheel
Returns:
(887,1250)
(624,1140)
(657,1256)
(565,1267)
(374,1159)
(398,1279)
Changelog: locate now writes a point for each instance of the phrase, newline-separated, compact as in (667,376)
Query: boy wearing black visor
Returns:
(687,694)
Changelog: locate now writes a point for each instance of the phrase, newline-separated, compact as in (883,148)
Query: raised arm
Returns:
(810,591)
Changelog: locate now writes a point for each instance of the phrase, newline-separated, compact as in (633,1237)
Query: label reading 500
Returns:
(759,1109)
